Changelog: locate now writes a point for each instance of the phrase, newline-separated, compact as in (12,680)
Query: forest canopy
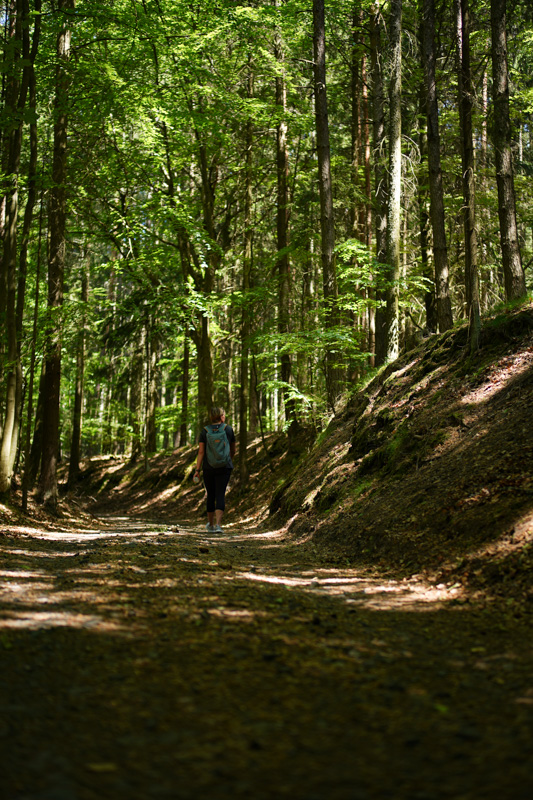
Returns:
(247,204)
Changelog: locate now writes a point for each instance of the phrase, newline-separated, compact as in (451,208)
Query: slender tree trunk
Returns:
(205,368)
(75,445)
(31,464)
(152,394)
(244,392)
(282,231)
(370,313)
(380,176)
(24,242)
(436,191)
(56,266)
(185,377)
(423,201)
(395,179)
(327,222)
(515,284)
(467,153)
(486,268)
(15,101)
(355,86)
(136,394)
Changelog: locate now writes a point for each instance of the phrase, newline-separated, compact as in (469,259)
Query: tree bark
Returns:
(327,222)
(185,376)
(75,444)
(515,284)
(395,180)
(467,158)
(31,463)
(436,191)
(244,391)
(423,202)
(20,71)
(282,230)
(152,393)
(56,265)
(380,176)
(136,394)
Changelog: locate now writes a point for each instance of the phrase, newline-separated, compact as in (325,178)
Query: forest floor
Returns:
(361,630)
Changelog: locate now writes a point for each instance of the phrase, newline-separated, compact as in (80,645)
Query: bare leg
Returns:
(219,515)
(211,517)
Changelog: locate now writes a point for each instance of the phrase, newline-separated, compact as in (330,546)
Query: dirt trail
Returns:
(143,661)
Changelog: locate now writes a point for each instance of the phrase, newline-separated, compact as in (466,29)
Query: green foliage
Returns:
(162,97)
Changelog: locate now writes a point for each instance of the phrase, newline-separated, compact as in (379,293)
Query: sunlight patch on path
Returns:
(359,590)
(40,620)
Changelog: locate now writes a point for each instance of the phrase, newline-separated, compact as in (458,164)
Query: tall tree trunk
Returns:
(185,376)
(423,201)
(436,191)
(15,102)
(205,281)
(282,231)
(31,463)
(467,157)
(380,176)
(244,391)
(395,180)
(136,394)
(515,284)
(205,368)
(486,268)
(327,222)
(26,232)
(355,86)
(56,265)
(152,394)
(370,312)
(75,445)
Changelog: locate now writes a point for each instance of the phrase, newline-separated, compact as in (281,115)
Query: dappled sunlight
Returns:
(504,373)
(41,620)
(109,585)
(354,587)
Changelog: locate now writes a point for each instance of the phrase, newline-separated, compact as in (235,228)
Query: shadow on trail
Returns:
(143,661)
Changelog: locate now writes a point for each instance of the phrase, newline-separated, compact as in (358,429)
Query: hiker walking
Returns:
(215,450)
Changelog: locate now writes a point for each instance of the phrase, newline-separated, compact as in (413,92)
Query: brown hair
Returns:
(216,413)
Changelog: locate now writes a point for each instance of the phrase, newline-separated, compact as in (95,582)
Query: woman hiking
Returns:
(216,449)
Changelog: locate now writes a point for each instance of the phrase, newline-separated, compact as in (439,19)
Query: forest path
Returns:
(140,661)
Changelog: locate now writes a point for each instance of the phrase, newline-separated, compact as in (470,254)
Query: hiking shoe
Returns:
(217,529)
(210,528)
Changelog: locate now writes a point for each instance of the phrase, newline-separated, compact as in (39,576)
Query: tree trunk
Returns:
(282,232)
(244,392)
(423,199)
(184,427)
(370,312)
(31,464)
(56,267)
(515,284)
(205,284)
(75,445)
(436,192)
(152,394)
(136,395)
(355,86)
(380,176)
(395,180)
(467,154)
(327,223)
(205,369)
(18,82)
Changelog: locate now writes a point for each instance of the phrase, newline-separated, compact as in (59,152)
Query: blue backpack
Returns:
(217,445)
